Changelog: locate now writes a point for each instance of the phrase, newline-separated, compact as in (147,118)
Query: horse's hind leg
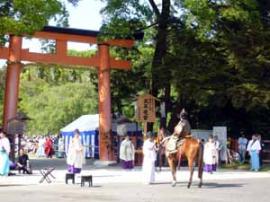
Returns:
(200,165)
(191,169)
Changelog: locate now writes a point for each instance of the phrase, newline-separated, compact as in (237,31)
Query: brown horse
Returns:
(192,149)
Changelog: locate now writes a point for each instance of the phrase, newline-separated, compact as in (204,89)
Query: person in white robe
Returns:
(75,157)
(127,153)
(210,155)
(149,158)
(61,147)
(254,148)
(41,147)
(4,154)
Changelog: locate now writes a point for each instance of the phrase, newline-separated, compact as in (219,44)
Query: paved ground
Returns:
(114,184)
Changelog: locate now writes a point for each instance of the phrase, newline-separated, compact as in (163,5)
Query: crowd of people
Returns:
(42,146)
(211,156)
(6,164)
(46,147)
(35,146)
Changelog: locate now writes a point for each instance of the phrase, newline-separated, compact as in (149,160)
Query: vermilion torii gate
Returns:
(102,61)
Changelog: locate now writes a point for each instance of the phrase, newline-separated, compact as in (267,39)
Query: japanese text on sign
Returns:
(146,108)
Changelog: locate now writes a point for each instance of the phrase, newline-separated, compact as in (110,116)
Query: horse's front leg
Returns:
(172,164)
(160,159)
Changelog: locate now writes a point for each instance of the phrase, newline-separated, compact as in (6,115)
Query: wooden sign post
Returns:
(146,110)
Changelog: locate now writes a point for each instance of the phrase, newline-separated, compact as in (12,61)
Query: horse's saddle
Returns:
(173,144)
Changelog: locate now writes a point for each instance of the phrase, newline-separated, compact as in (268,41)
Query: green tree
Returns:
(52,107)
(225,63)
(53,95)
(143,12)
(27,16)
(211,56)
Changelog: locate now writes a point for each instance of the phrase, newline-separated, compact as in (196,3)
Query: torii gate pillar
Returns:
(12,79)
(104,96)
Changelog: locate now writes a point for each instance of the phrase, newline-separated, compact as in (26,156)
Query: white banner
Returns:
(221,133)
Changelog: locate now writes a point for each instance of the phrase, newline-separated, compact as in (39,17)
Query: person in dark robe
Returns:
(23,163)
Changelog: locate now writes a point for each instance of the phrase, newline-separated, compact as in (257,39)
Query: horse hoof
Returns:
(188,186)
(200,185)
(173,183)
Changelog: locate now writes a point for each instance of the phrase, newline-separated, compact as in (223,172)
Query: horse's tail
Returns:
(200,161)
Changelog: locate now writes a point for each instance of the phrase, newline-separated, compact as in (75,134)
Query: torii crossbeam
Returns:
(102,61)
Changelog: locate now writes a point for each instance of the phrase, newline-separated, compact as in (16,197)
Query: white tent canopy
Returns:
(88,122)
(88,125)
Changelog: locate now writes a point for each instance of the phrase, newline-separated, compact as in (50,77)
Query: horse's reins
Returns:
(165,139)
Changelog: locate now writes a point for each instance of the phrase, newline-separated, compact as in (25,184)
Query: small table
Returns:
(86,178)
(70,176)
(46,173)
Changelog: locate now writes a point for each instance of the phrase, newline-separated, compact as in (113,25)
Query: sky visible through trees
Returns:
(213,59)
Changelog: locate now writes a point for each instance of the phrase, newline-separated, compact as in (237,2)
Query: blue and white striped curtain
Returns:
(89,140)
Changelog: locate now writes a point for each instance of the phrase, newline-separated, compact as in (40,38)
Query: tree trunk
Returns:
(158,69)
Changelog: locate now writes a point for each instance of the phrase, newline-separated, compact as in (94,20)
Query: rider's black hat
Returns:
(183,114)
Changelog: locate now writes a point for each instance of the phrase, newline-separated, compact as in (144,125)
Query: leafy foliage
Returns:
(27,16)
(209,56)
(17,16)
(215,60)
(52,105)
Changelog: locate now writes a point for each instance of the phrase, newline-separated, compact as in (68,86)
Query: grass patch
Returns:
(240,166)
(236,166)
(265,168)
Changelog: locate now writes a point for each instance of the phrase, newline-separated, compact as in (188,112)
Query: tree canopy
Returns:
(209,56)
(52,106)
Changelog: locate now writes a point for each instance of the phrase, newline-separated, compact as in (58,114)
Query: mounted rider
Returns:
(181,131)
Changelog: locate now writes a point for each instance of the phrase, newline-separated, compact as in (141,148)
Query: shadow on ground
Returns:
(221,185)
